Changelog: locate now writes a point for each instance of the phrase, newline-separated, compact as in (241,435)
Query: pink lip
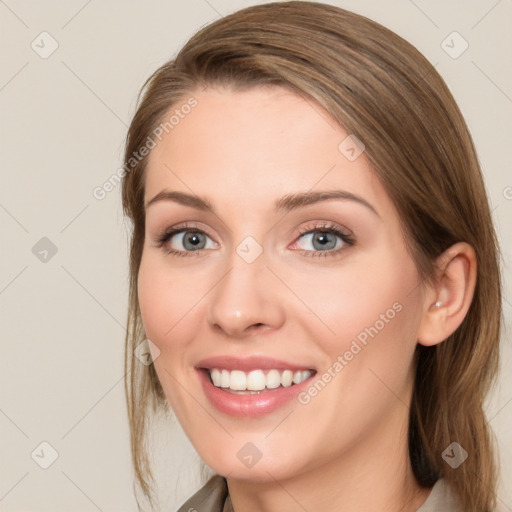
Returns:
(248,406)
(247,364)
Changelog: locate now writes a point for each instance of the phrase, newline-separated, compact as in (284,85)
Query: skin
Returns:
(347,448)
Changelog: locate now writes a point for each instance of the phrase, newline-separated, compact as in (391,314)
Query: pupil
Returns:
(323,240)
(193,240)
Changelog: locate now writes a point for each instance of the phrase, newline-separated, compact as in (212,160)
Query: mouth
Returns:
(256,381)
(251,387)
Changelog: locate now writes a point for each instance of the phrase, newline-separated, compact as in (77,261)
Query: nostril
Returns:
(255,326)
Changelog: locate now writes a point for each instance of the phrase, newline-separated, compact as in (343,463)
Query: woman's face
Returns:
(266,280)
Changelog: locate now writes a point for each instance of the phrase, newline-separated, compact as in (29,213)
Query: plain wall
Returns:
(63,272)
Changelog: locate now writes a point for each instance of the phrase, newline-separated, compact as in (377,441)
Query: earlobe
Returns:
(448,301)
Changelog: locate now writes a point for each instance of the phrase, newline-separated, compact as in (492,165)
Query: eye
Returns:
(190,241)
(326,239)
(319,240)
(184,240)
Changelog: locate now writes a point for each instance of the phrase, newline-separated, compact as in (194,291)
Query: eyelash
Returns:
(347,239)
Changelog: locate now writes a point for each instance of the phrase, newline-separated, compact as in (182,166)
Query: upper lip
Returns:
(248,363)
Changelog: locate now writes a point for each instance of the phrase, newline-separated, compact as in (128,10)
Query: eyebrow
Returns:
(286,203)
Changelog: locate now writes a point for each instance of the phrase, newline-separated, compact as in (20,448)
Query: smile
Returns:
(252,386)
(257,380)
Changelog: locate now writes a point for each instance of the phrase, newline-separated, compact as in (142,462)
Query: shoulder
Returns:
(441,499)
(210,498)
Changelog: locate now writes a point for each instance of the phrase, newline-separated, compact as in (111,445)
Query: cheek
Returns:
(167,306)
(373,298)
(153,302)
(166,302)
(374,314)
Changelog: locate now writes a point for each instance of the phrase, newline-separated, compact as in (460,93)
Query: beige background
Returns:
(63,122)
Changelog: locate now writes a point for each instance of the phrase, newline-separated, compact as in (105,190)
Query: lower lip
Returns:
(249,406)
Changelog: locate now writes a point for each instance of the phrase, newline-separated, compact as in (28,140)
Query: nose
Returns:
(247,300)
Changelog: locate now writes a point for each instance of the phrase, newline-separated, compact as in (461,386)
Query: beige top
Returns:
(214,497)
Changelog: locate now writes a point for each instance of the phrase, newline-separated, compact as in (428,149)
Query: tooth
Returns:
(224,380)
(306,374)
(256,380)
(297,377)
(286,378)
(273,379)
(216,377)
(238,380)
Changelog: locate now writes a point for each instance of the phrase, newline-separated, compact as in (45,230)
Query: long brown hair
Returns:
(380,88)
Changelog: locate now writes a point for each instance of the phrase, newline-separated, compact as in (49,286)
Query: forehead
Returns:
(256,145)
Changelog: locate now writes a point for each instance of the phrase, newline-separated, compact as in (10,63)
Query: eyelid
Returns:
(345,234)
(165,235)
(182,226)
(325,226)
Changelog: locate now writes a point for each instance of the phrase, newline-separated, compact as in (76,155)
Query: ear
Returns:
(448,300)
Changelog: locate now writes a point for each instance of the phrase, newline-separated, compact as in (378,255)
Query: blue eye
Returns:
(190,241)
(324,240)
(183,241)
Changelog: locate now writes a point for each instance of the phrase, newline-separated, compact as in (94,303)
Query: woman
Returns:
(314,268)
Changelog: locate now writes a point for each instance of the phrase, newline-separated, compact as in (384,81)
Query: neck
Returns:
(374,474)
